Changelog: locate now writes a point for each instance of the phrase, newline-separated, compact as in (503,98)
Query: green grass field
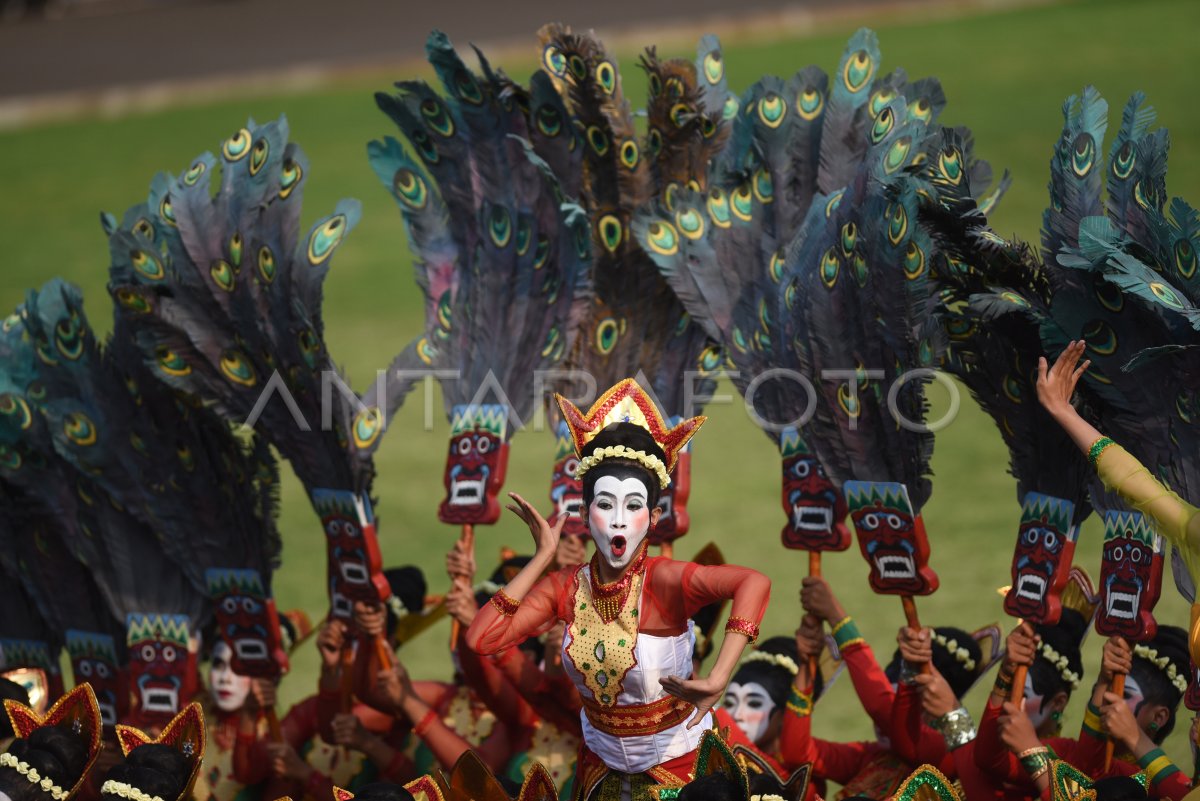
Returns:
(1005,73)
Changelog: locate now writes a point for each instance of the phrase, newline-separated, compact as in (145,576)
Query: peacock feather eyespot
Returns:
(775,266)
(810,103)
(1140,197)
(368,425)
(549,120)
(848,402)
(68,339)
(764,189)
(662,238)
(554,345)
(897,154)
(655,85)
(1122,165)
(424,146)
(167,212)
(607,332)
(708,128)
(655,141)
(691,223)
(1083,154)
(237,368)
(949,167)
(583,245)
(132,301)
(443,313)
(237,246)
(266,265)
(790,296)
(258,156)
(551,283)
(718,208)
(144,228)
(914,261)
(326,238)
(859,265)
(680,114)
(1109,296)
(171,363)
(742,202)
(554,61)
(598,139)
(1100,338)
(849,237)
(1014,299)
(541,252)
(1185,258)
(500,228)
(524,235)
(410,188)
(714,70)
(772,109)
(193,175)
(80,429)
(857,72)
(670,196)
(1166,294)
(222,275)
(629,154)
(437,118)
(885,120)
(14,407)
(834,201)
(880,99)
(897,219)
(920,109)
(466,88)
(830,264)
(147,264)
(577,66)
(36,390)
(606,77)
(426,351)
(10,322)
(709,360)
(237,146)
(610,232)
(9,458)
(730,109)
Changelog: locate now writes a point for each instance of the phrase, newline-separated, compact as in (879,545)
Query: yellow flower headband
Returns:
(1162,663)
(961,655)
(778,660)
(45,783)
(1061,663)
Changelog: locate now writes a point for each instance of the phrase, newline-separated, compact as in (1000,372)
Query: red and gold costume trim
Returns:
(78,711)
(504,604)
(639,719)
(603,650)
(185,733)
(610,599)
(742,625)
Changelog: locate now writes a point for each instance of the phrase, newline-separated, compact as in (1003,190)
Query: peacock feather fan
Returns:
(222,294)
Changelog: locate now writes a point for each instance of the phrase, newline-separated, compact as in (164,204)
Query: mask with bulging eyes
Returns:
(1130,577)
(891,537)
(1042,559)
(247,622)
(619,519)
(475,465)
(816,510)
(161,669)
(750,706)
(354,563)
(94,661)
(566,491)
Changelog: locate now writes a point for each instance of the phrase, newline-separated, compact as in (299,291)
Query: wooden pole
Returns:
(1117,687)
(1017,693)
(273,726)
(914,623)
(814,569)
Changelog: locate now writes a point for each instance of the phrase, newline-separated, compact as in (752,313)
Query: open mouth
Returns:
(108,712)
(354,572)
(342,606)
(1123,605)
(160,699)
(894,566)
(618,546)
(1031,586)
(664,505)
(812,518)
(466,493)
(250,649)
(570,506)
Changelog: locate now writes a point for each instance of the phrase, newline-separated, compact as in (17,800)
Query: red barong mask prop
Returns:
(162,669)
(248,622)
(94,661)
(816,511)
(1130,577)
(354,564)
(566,490)
(475,465)
(891,537)
(673,520)
(1042,559)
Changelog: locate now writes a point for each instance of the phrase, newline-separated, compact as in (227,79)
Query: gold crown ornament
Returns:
(626,402)
(185,733)
(77,711)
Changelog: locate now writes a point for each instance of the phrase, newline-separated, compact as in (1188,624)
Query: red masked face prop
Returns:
(816,511)
(94,661)
(566,491)
(162,669)
(891,537)
(475,465)
(1130,577)
(31,664)
(1042,560)
(354,564)
(673,520)
(247,622)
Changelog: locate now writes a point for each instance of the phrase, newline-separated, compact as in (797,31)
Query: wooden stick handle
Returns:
(1017,693)
(910,615)
(347,690)
(273,726)
(814,569)
(467,537)
(1117,687)
(383,652)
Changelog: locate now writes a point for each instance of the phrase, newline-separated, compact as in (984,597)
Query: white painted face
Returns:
(1035,705)
(750,707)
(229,690)
(619,518)
(1133,694)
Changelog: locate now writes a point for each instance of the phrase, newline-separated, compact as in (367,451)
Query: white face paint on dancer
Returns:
(229,690)
(750,706)
(619,518)
(1133,694)
(1035,705)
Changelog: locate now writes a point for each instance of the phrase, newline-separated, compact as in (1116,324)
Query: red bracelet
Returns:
(742,625)
(505,605)
(425,722)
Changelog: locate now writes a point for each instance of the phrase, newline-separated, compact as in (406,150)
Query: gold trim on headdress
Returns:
(185,733)
(626,402)
(78,711)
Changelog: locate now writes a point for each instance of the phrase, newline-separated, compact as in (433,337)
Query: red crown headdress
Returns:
(77,711)
(185,733)
(626,402)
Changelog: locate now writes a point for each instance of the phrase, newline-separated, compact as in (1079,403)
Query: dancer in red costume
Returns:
(629,642)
